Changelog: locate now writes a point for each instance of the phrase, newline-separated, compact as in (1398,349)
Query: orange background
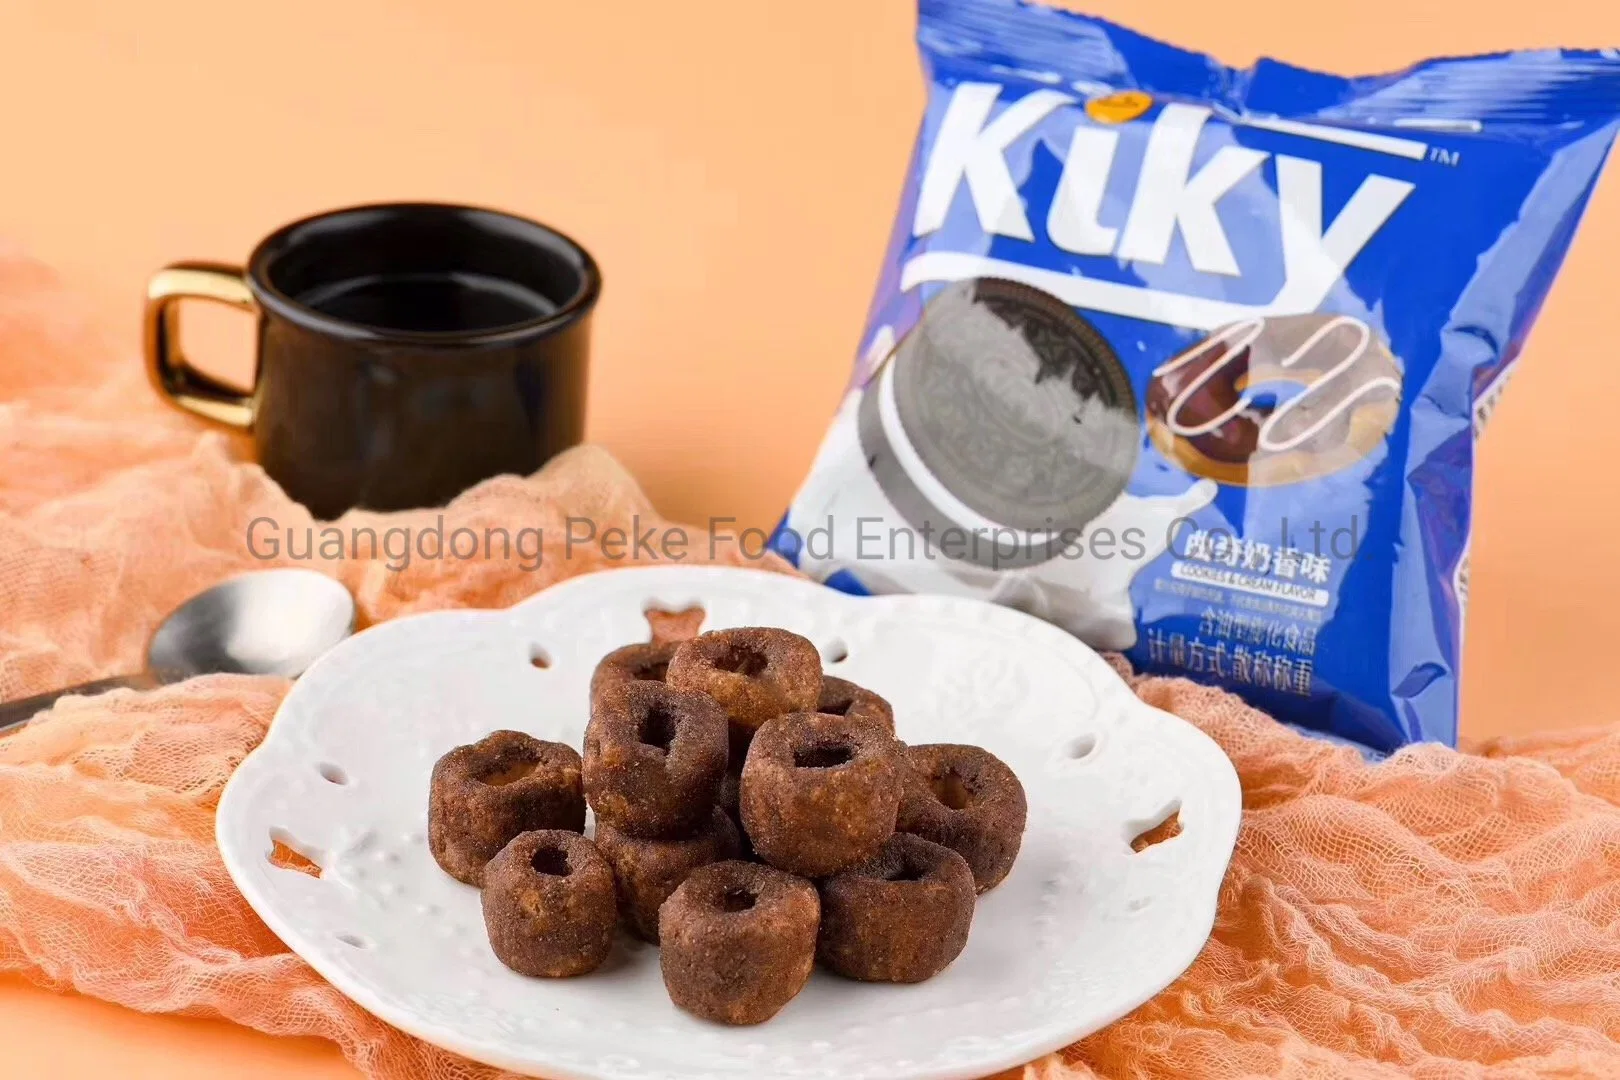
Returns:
(734,165)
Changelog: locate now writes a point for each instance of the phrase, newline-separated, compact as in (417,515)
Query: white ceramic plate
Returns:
(1082,931)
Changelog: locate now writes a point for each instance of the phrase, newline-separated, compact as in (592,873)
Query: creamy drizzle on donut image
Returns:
(1337,395)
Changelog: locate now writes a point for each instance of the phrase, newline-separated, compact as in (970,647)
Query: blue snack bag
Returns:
(1191,360)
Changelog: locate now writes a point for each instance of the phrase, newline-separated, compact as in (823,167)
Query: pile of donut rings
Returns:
(753,816)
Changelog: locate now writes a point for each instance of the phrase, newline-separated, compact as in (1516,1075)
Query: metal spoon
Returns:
(269,622)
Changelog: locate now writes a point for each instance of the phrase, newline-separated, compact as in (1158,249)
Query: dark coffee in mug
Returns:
(433,303)
(405,351)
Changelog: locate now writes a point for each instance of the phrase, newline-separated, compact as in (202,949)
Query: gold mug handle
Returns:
(166,365)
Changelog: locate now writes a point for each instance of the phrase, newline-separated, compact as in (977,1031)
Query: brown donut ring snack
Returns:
(967,799)
(1206,410)
(482,795)
(696,758)
(647,871)
(654,759)
(840,697)
(820,793)
(739,940)
(642,662)
(549,905)
(730,793)
(756,673)
(900,917)
(730,789)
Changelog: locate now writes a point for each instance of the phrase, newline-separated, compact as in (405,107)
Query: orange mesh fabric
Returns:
(1441,915)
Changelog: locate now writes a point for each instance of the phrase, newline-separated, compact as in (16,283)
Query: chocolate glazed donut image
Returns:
(1275,401)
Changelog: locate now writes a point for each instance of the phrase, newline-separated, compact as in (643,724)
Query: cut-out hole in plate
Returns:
(1080,747)
(538,657)
(1163,826)
(834,652)
(288,853)
(670,623)
(333,774)
(354,941)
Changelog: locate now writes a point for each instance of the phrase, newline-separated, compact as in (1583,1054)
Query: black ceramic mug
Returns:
(405,351)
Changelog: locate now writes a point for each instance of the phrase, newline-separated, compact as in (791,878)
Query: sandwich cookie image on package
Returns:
(1191,360)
